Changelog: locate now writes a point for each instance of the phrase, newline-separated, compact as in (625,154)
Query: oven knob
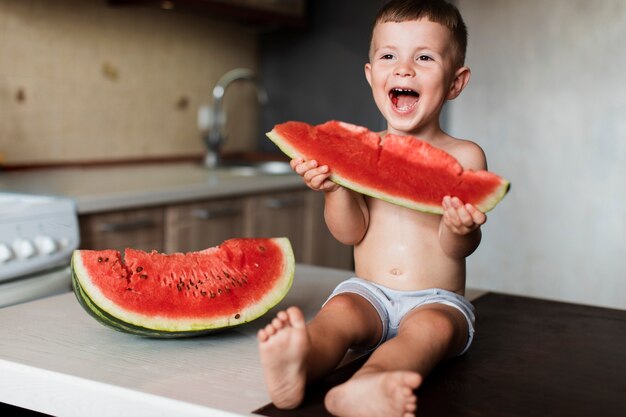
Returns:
(6,254)
(46,244)
(24,248)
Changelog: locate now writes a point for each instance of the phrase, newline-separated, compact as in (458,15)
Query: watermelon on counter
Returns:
(183,294)
(400,169)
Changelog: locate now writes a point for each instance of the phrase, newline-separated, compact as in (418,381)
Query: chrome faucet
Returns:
(216,136)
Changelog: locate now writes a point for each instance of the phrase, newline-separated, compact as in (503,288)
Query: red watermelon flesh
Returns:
(400,169)
(219,287)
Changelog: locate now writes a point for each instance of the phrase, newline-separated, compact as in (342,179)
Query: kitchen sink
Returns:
(250,169)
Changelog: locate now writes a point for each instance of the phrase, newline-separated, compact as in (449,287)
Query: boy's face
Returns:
(412,73)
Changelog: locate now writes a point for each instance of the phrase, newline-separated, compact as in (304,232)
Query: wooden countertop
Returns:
(56,359)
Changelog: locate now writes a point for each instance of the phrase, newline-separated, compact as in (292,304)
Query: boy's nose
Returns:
(404,70)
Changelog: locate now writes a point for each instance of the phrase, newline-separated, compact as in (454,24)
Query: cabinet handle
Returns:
(284,202)
(208,214)
(127,226)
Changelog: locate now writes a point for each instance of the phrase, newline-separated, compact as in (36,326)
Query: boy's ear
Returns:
(461,78)
(368,73)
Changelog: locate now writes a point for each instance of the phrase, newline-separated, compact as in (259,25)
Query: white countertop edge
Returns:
(64,395)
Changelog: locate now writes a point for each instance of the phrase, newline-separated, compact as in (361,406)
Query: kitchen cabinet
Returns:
(324,248)
(281,214)
(183,227)
(263,13)
(200,225)
(138,228)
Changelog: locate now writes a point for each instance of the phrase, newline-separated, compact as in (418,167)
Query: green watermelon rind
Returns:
(487,203)
(112,322)
(109,314)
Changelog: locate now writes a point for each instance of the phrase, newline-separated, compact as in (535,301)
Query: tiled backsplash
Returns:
(82,81)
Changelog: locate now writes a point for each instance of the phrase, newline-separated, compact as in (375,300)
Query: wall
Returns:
(547,100)
(82,81)
(318,75)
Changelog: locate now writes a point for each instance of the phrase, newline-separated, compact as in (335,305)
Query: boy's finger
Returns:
(478,216)
(305,166)
(295,162)
(314,172)
(465,217)
(453,217)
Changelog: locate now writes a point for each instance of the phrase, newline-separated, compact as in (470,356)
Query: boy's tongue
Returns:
(405,101)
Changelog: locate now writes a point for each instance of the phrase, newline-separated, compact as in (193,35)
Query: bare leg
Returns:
(293,353)
(384,385)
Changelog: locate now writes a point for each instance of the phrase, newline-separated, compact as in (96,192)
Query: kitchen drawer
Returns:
(197,226)
(282,214)
(138,229)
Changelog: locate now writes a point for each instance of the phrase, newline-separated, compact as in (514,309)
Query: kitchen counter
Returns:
(127,186)
(56,359)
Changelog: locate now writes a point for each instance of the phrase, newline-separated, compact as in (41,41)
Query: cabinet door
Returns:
(138,229)
(280,215)
(325,249)
(198,226)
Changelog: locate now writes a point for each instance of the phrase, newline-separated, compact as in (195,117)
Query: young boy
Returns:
(407,303)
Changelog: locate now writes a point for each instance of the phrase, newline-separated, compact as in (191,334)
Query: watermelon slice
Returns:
(400,169)
(183,294)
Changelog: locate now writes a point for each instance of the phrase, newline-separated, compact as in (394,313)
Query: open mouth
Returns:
(403,99)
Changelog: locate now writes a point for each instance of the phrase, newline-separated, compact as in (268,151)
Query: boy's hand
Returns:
(460,218)
(315,177)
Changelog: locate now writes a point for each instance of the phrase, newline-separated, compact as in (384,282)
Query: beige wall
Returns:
(547,100)
(82,81)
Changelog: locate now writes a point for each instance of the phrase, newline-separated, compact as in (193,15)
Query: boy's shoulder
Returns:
(469,154)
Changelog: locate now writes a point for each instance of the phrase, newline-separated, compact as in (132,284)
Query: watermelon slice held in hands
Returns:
(183,294)
(401,169)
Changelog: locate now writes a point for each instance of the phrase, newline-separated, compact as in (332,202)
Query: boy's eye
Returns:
(424,58)
(387,56)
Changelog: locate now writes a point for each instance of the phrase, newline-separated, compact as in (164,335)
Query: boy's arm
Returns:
(345,211)
(459,229)
(346,215)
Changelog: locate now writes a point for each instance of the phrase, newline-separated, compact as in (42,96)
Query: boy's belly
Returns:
(411,272)
(401,250)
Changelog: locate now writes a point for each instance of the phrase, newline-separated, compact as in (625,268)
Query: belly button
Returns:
(396,271)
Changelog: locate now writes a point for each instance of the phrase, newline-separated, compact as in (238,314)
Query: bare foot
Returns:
(283,345)
(375,394)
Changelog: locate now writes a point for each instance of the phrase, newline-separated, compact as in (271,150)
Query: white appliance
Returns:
(37,237)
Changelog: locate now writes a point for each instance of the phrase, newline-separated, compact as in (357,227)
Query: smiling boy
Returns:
(406,304)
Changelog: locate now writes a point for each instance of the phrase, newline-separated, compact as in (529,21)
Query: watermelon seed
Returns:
(219,290)
(212,294)
(237,316)
(203,293)
(143,276)
(179,286)
(256,264)
(262,248)
(106,259)
(99,259)
(226,274)
(139,269)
